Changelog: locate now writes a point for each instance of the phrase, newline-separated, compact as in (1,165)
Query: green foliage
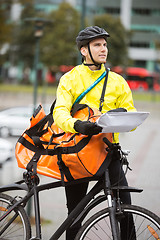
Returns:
(4,29)
(58,43)
(51,90)
(15,89)
(25,36)
(117,42)
(5,26)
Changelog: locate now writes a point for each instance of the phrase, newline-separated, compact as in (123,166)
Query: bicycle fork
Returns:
(111,207)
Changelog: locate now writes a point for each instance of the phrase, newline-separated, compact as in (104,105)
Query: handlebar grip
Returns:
(106,141)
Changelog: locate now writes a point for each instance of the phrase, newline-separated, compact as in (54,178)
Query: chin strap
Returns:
(92,64)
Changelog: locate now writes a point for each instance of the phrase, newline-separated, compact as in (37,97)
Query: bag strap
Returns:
(103,91)
(77,107)
(89,88)
(105,74)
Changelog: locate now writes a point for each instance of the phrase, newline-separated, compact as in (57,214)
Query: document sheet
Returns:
(121,121)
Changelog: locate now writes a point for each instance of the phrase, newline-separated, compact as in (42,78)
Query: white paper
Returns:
(121,121)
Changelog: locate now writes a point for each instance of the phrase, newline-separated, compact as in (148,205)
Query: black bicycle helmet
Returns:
(90,33)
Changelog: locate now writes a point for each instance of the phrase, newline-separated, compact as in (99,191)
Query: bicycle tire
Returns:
(16,225)
(98,226)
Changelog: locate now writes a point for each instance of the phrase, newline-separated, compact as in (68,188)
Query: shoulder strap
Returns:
(103,91)
(90,87)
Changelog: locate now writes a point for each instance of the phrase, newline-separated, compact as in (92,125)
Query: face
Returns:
(98,49)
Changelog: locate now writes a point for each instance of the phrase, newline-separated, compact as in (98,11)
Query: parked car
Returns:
(13,121)
(6,151)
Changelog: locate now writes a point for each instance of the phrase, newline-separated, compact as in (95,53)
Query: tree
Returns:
(117,42)
(58,44)
(5,26)
(25,37)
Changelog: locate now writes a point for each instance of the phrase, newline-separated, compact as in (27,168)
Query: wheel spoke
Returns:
(135,223)
(15,225)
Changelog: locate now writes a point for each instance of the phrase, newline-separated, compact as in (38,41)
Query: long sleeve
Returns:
(72,84)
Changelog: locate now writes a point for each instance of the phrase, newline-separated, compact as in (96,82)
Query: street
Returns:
(144,161)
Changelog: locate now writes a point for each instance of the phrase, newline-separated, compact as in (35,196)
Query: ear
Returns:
(84,51)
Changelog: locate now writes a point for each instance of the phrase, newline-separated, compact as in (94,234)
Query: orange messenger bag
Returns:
(45,149)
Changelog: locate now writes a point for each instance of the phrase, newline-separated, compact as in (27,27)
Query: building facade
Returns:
(141,17)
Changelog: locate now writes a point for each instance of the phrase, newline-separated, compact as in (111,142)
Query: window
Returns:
(139,44)
(140,63)
(156,12)
(146,12)
(141,11)
(135,78)
(112,10)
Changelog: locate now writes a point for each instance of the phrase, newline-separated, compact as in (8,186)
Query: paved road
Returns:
(144,159)
(144,144)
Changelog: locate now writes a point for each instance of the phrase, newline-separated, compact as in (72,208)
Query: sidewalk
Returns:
(22,99)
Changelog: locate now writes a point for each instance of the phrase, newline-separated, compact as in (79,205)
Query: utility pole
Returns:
(38,33)
(83,15)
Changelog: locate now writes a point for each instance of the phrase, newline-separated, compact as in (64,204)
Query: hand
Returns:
(118,110)
(87,127)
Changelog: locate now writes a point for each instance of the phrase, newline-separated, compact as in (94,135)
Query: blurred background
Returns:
(37,46)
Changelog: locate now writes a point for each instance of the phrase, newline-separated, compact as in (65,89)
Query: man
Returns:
(92,43)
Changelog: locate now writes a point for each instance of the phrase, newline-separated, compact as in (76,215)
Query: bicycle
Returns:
(104,224)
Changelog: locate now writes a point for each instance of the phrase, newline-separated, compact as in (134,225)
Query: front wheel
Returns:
(138,224)
(15,225)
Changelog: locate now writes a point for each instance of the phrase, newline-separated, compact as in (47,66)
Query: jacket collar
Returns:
(89,71)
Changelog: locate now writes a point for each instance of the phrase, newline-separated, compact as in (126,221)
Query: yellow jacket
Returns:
(73,83)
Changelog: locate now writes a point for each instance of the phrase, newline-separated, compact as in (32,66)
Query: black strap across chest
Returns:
(103,91)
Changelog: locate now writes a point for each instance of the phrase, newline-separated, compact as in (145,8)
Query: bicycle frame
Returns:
(35,193)
(81,210)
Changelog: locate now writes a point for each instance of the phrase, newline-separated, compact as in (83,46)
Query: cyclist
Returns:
(92,43)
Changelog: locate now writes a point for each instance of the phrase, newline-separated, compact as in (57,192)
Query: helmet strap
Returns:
(86,64)
(94,63)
